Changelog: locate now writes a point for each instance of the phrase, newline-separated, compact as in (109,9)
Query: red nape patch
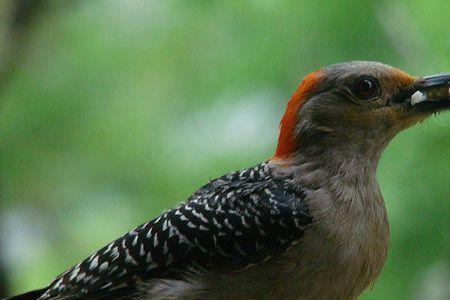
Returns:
(286,139)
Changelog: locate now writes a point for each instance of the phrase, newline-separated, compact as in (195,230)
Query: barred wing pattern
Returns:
(231,223)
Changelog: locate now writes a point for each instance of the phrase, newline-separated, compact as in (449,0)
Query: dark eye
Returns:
(366,87)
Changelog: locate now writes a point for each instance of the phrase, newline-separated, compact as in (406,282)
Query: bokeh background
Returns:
(112,111)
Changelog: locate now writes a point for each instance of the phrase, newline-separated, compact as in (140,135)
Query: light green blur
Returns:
(121,109)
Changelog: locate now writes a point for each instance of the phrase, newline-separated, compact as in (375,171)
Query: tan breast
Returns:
(339,257)
(346,248)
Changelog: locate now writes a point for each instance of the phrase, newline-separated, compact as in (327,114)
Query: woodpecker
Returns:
(307,224)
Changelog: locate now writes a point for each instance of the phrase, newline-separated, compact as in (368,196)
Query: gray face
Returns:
(371,98)
(395,86)
(368,84)
(344,73)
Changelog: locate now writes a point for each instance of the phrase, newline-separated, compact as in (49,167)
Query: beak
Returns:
(432,93)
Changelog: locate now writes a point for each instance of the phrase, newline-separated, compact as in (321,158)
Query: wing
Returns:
(235,221)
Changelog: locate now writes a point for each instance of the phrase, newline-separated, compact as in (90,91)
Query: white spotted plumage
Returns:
(235,217)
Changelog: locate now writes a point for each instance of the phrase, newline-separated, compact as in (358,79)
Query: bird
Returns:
(309,223)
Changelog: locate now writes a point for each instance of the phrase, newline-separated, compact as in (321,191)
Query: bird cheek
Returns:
(363,118)
(401,118)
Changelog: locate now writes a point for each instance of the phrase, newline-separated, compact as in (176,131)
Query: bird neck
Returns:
(351,160)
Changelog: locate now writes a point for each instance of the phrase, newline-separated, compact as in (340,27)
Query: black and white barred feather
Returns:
(233,222)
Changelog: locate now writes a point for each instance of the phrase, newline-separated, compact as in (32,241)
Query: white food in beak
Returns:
(418,97)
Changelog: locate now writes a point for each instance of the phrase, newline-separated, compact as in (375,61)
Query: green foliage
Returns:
(120,109)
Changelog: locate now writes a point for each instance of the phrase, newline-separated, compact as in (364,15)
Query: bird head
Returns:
(356,108)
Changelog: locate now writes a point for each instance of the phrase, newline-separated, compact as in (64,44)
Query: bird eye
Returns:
(366,87)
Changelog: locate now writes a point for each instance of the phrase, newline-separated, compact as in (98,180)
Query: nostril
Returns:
(402,95)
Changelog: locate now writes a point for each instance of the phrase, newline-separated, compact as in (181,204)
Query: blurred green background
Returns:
(112,111)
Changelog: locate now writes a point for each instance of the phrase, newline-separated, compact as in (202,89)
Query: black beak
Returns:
(435,81)
(432,93)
